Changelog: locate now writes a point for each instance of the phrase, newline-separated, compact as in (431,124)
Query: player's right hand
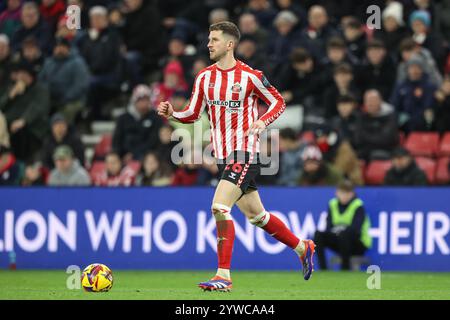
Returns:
(165,109)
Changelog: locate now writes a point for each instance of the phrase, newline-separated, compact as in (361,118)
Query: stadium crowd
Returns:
(366,94)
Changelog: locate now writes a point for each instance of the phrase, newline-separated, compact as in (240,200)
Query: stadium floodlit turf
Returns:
(175,285)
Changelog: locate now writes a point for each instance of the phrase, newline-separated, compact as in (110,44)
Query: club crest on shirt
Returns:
(236,88)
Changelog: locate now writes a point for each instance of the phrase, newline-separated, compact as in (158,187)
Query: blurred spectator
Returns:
(442,20)
(51,11)
(4,134)
(413,98)
(378,70)
(11,169)
(404,171)
(302,80)
(377,131)
(347,228)
(5,60)
(177,51)
(393,30)
(10,18)
(346,122)
(192,133)
(248,26)
(67,171)
(315,36)
(199,63)
(339,153)
(61,134)
(166,145)
(173,80)
(442,106)
(409,50)
(282,38)
(263,11)
(420,23)
(32,54)
(291,148)
(32,26)
(355,37)
(67,76)
(62,31)
(115,173)
(137,130)
(100,48)
(187,172)
(336,54)
(26,107)
(154,172)
(316,172)
(35,175)
(343,85)
(142,23)
(247,51)
(295,8)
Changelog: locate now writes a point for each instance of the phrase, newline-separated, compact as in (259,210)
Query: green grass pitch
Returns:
(175,285)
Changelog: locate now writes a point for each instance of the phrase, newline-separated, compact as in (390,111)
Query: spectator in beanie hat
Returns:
(68,171)
(316,172)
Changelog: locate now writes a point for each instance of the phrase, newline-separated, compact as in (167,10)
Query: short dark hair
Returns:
(375,43)
(226,27)
(300,55)
(288,134)
(336,42)
(343,68)
(346,185)
(407,44)
(346,99)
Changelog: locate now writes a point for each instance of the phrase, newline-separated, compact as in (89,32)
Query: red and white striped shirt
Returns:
(230,97)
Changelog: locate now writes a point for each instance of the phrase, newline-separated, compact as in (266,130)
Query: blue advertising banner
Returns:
(172,228)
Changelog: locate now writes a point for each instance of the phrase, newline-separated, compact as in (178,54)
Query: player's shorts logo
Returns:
(232,175)
(236,88)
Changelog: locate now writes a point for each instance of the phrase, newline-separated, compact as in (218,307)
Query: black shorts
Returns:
(240,171)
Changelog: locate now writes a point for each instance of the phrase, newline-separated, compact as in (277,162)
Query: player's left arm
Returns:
(270,95)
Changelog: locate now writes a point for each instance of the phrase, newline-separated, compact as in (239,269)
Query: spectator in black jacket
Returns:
(32,26)
(442,106)
(404,171)
(378,71)
(137,130)
(343,85)
(301,81)
(377,132)
(100,48)
(61,134)
(355,37)
(247,51)
(346,122)
(143,35)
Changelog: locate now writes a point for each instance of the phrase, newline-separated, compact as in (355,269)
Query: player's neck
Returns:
(227,62)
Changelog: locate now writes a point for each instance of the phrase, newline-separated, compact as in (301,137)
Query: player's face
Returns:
(218,45)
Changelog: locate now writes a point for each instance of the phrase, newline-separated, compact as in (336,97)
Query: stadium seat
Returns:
(423,143)
(376,170)
(135,166)
(97,168)
(444,147)
(429,167)
(103,147)
(442,171)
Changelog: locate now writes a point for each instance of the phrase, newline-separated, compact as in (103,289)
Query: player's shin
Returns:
(277,229)
(225,238)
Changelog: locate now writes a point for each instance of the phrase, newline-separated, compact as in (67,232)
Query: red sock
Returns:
(277,229)
(225,241)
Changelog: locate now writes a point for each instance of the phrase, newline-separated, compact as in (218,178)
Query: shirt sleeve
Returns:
(193,111)
(266,92)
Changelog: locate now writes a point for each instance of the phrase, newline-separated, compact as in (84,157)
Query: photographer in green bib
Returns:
(347,231)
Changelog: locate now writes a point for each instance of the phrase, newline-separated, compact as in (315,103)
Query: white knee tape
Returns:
(261,219)
(221,212)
